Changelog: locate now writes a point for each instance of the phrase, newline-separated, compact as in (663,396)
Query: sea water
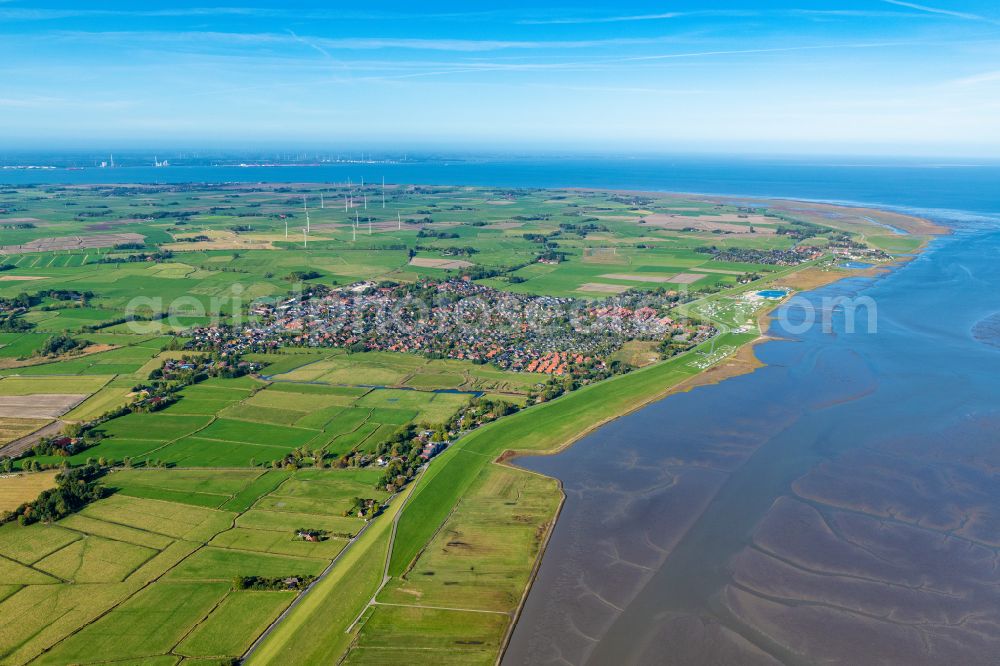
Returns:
(921,184)
(841,504)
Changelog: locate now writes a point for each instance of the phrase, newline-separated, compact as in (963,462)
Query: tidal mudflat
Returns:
(840,504)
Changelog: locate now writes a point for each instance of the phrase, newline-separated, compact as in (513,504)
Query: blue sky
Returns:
(837,76)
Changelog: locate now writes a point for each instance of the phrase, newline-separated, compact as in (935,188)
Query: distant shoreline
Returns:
(884,184)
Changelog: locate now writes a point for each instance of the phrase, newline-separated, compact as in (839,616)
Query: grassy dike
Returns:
(545,428)
(316,629)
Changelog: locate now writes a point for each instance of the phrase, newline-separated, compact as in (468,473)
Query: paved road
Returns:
(22,444)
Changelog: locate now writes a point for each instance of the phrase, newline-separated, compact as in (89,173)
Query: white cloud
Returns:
(943,12)
(785,49)
(574,20)
(46,103)
(30,102)
(977,79)
(356,43)
(24,14)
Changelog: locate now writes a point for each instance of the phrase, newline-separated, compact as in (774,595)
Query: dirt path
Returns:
(447,608)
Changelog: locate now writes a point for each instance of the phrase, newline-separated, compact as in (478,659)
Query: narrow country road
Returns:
(22,444)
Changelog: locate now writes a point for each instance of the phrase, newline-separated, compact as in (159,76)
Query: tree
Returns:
(74,488)
(59,344)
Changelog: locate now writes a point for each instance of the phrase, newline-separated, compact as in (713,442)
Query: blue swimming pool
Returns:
(773,294)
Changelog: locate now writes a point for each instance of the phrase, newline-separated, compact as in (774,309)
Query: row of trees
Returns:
(75,488)
(273,583)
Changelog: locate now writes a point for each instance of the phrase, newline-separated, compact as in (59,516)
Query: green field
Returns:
(316,630)
(157,618)
(201,488)
(398,370)
(230,628)
(233,423)
(147,573)
(15,490)
(33,385)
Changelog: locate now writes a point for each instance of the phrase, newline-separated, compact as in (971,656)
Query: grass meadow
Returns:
(16,489)
(146,574)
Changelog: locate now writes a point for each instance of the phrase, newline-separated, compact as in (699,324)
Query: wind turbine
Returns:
(399,221)
(286,228)
(322,202)
(369,226)
(305,238)
(305,207)
(383,191)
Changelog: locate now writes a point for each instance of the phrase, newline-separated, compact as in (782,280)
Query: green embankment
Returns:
(542,428)
(314,632)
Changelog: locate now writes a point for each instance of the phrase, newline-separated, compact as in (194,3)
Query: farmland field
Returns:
(94,559)
(15,489)
(259,459)
(200,488)
(228,630)
(96,562)
(101,402)
(62,385)
(397,370)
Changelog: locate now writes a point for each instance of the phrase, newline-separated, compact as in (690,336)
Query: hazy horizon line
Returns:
(414,152)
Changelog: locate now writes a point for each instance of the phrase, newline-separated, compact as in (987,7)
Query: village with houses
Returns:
(460,319)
